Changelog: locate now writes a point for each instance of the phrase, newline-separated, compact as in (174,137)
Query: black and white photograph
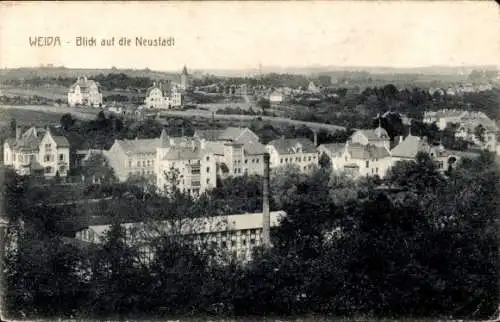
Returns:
(249,160)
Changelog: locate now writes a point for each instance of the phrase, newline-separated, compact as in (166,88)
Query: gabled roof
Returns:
(181,153)
(333,148)
(367,152)
(249,148)
(375,134)
(410,147)
(139,145)
(201,225)
(29,140)
(83,83)
(288,146)
(229,134)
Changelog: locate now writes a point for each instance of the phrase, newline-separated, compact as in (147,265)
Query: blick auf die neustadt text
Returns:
(89,41)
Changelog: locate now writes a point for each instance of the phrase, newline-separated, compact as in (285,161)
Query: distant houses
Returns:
(84,92)
(472,126)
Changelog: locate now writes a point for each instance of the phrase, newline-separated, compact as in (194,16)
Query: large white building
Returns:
(37,151)
(84,92)
(377,137)
(358,159)
(160,96)
(300,152)
(191,169)
(234,235)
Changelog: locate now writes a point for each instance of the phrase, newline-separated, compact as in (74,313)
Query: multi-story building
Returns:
(236,159)
(408,149)
(191,169)
(37,151)
(84,92)
(160,96)
(358,159)
(137,158)
(234,235)
(300,152)
(468,130)
(444,117)
(377,137)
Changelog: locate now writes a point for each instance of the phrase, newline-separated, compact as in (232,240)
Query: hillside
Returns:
(63,72)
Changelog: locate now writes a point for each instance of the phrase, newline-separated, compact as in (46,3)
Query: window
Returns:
(224,244)
(48,169)
(309,158)
(281,160)
(48,146)
(244,242)
(367,163)
(208,169)
(208,158)
(257,160)
(138,163)
(130,163)
(208,181)
(252,241)
(246,161)
(144,163)
(233,243)
(149,163)
(235,170)
(376,170)
(61,157)
(305,168)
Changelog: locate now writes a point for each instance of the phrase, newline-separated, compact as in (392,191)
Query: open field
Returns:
(40,115)
(50,92)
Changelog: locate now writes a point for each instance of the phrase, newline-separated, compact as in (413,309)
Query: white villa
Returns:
(161,96)
(37,151)
(84,92)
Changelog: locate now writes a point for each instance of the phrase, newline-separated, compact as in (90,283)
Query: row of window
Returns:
(297,159)
(50,157)
(246,161)
(143,163)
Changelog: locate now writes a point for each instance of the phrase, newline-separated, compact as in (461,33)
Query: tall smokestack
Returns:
(266,217)
(315,138)
(18,132)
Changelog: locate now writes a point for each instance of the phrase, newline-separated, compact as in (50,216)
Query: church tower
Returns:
(184,78)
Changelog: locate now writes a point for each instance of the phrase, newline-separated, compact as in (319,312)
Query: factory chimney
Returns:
(266,219)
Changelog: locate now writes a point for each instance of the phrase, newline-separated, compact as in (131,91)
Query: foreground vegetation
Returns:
(425,245)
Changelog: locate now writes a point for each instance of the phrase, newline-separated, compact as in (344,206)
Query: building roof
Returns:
(333,148)
(31,138)
(139,145)
(228,134)
(367,152)
(84,84)
(290,146)
(375,134)
(410,146)
(249,148)
(182,153)
(202,225)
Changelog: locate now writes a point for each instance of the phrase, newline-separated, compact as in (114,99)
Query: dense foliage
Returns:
(417,243)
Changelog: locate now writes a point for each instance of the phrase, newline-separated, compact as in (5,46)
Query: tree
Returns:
(67,121)
(479,133)
(325,161)
(264,104)
(97,169)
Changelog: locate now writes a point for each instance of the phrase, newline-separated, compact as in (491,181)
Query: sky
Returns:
(242,35)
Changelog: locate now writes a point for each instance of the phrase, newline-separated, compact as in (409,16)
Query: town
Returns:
(183,183)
